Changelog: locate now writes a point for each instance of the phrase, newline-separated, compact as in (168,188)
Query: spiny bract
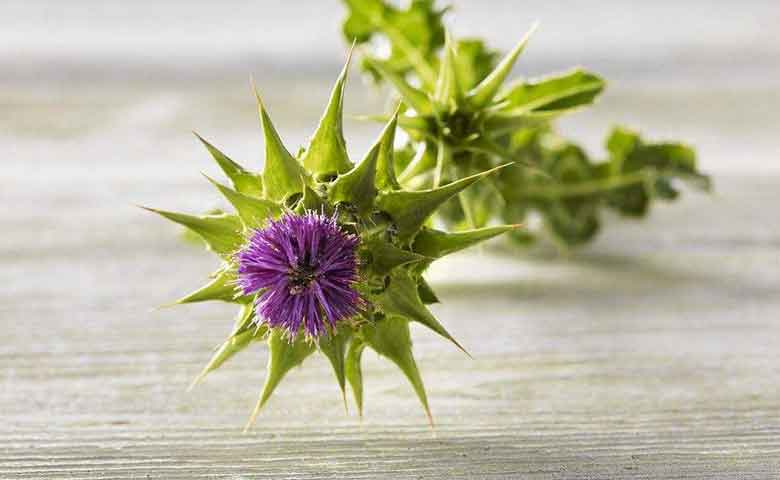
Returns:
(364,212)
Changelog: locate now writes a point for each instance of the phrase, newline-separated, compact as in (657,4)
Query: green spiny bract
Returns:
(396,245)
(461,119)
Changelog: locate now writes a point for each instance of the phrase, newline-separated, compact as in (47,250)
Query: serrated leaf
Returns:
(410,209)
(221,288)
(554,94)
(244,181)
(334,346)
(237,341)
(353,370)
(222,233)
(448,92)
(436,244)
(282,357)
(312,202)
(483,94)
(390,338)
(282,173)
(384,256)
(327,151)
(401,299)
(254,212)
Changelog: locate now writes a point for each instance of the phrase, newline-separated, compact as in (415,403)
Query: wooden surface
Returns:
(651,354)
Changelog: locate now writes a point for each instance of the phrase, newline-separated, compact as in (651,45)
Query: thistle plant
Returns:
(324,255)
(462,118)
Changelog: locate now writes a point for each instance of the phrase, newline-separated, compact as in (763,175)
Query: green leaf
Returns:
(222,233)
(334,346)
(448,92)
(243,180)
(483,94)
(253,211)
(410,209)
(401,299)
(221,288)
(555,94)
(327,152)
(414,33)
(282,173)
(282,357)
(384,256)
(353,370)
(390,338)
(312,202)
(237,341)
(436,244)
(424,161)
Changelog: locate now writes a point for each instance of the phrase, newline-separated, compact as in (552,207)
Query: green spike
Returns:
(222,233)
(357,186)
(427,295)
(312,202)
(487,89)
(448,92)
(390,338)
(385,164)
(327,152)
(222,288)
(282,357)
(400,298)
(253,211)
(386,256)
(412,96)
(436,244)
(353,371)
(243,180)
(334,346)
(234,344)
(282,173)
(410,209)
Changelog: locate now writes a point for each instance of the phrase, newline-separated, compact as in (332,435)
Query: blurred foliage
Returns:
(461,118)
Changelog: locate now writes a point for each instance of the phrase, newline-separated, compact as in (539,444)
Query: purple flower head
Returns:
(305,268)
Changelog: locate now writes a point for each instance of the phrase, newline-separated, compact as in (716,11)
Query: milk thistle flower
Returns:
(325,255)
(304,268)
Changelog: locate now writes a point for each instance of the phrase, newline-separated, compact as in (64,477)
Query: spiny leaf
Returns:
(436,244)
(282,173)
(243,180)
(357,186)
(385,163)
(423,161)
(334,346)
(237,341)
(487,89)
(385,256)
(222,287)
(312,202)
(410,209)
(390,338)
(327,152)
(555,94)
(400,298)
(282,357)
(253,211)
(353,370)
(222,233)
(475,61)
